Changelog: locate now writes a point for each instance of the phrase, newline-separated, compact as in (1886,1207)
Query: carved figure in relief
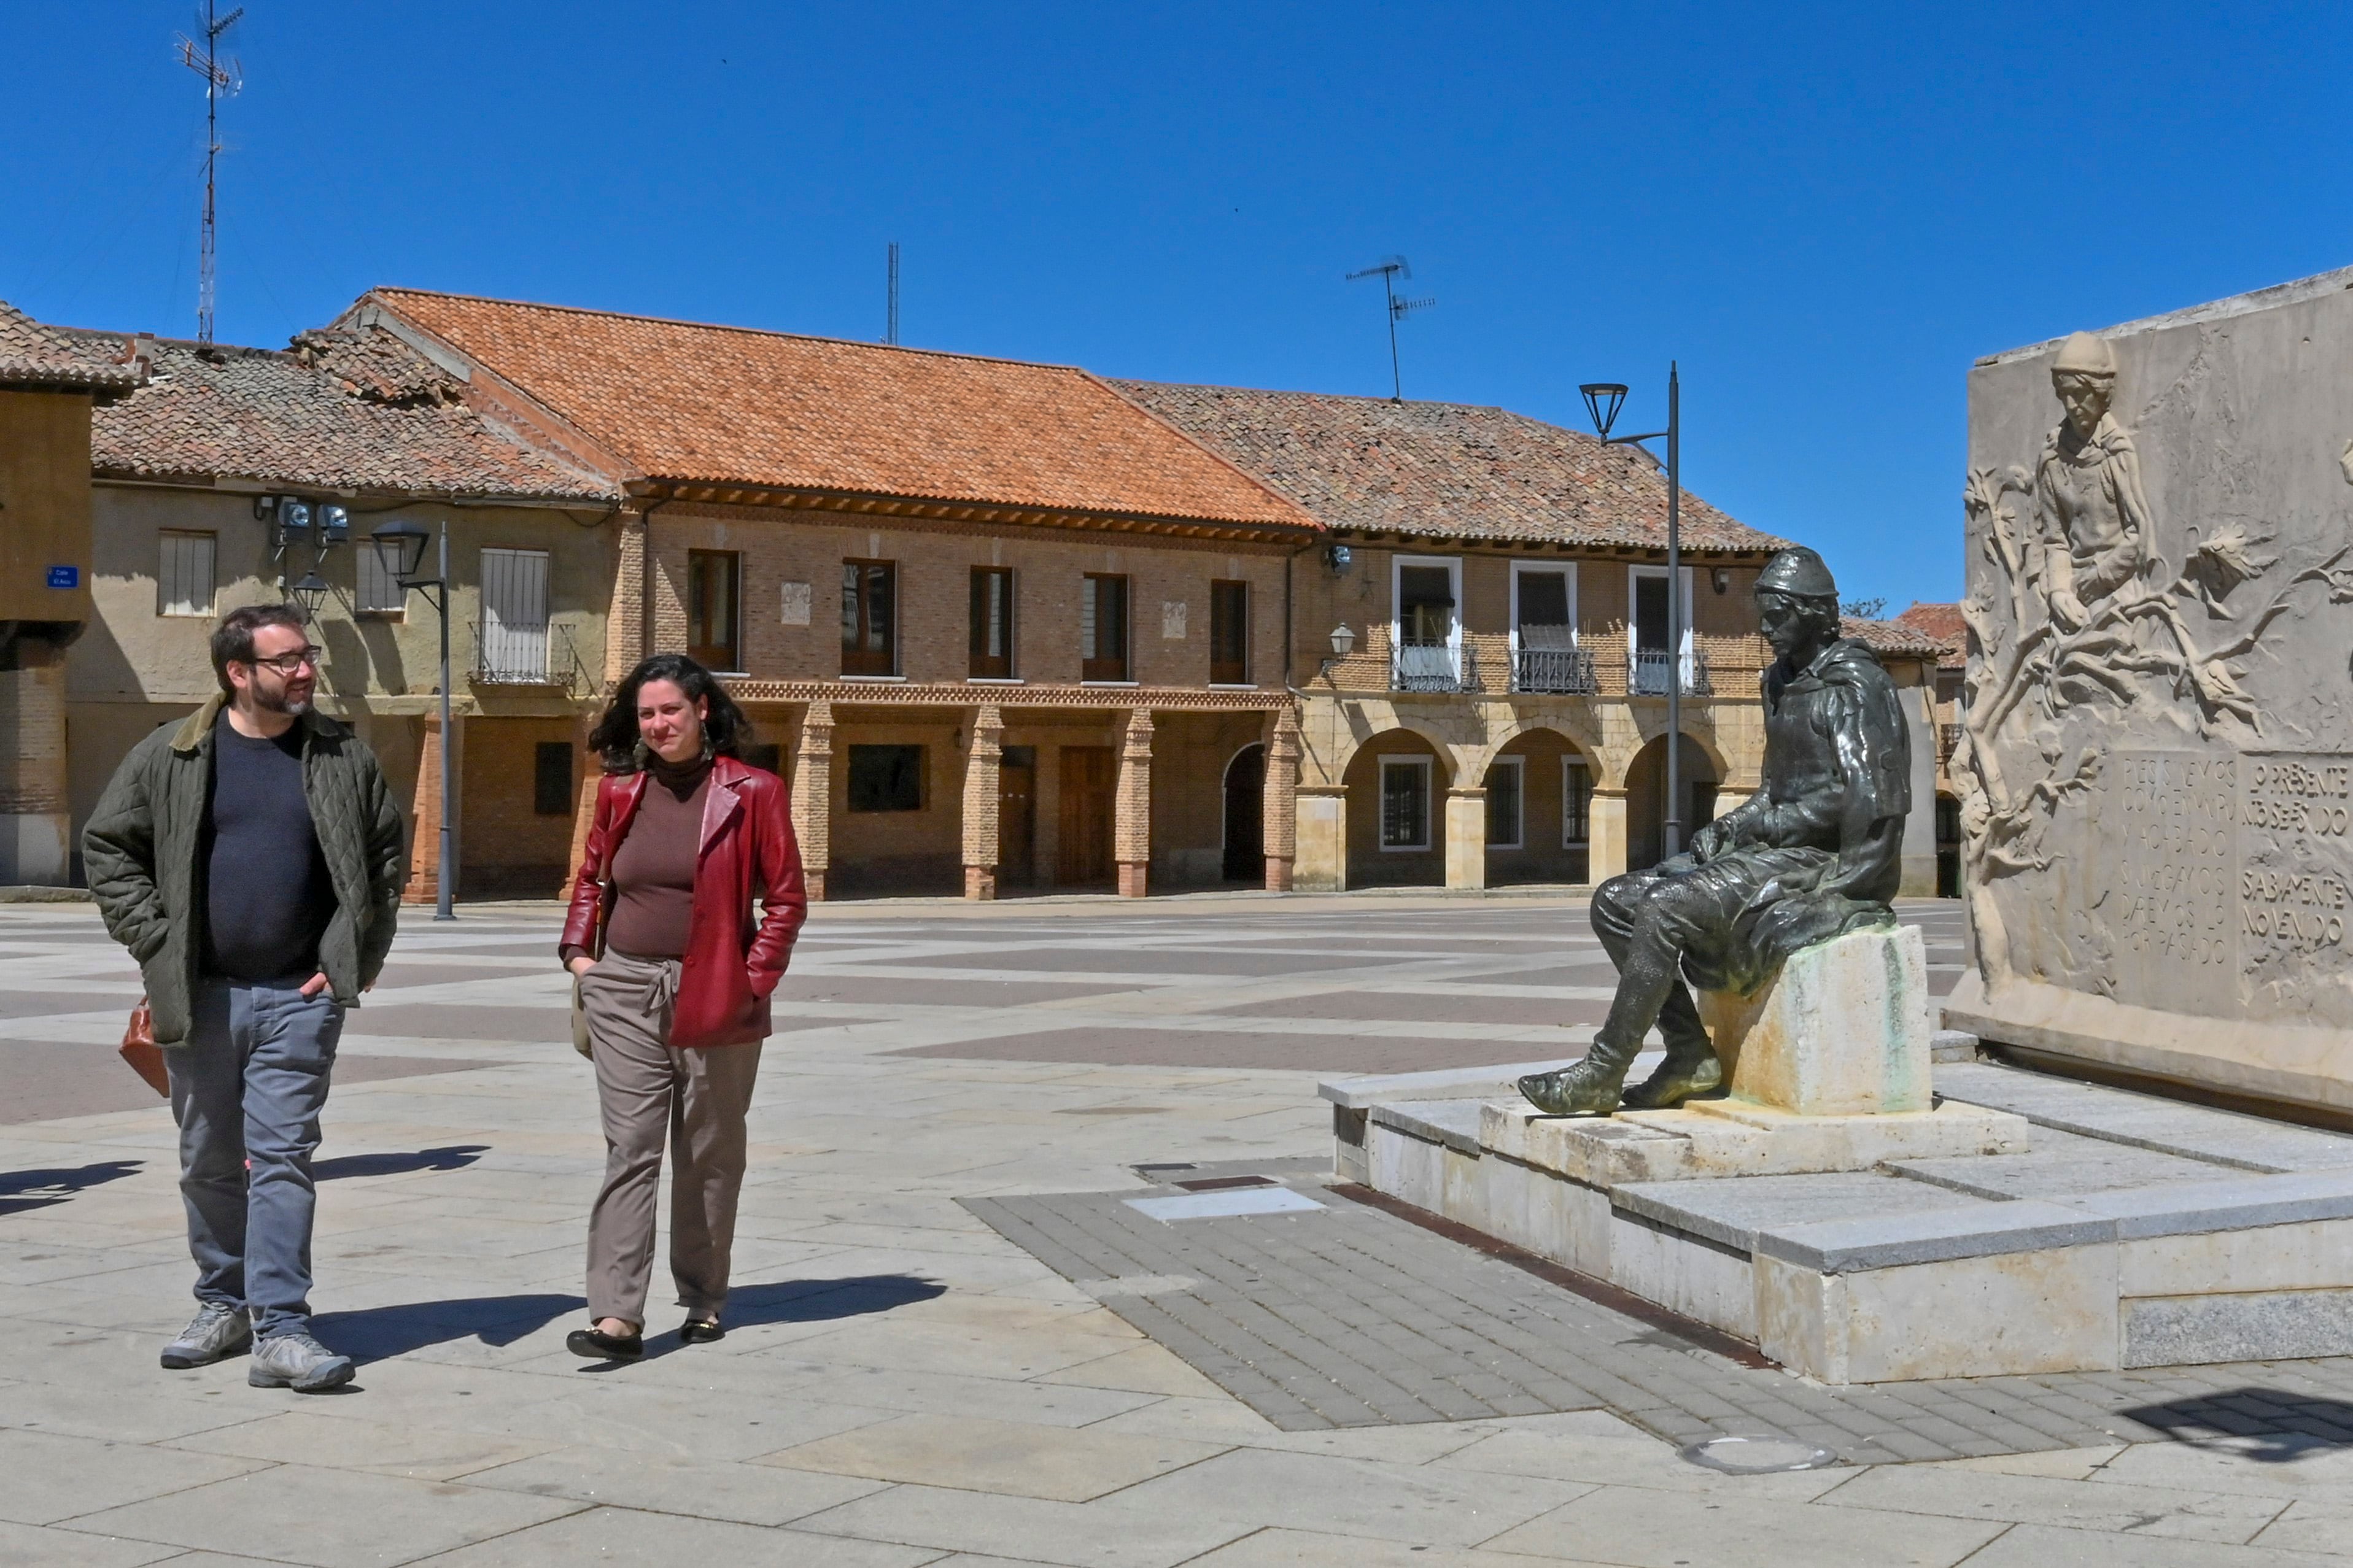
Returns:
(2086,624)
(1814,854)
(2093,513)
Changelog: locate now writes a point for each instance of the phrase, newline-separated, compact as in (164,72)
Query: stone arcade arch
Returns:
(1646,792)
(1397,783)
(1539,786)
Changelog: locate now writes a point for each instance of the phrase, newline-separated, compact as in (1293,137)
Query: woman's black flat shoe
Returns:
(700,1332)
(593,1344)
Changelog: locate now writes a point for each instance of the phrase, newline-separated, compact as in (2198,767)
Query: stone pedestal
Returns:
(1842,1030)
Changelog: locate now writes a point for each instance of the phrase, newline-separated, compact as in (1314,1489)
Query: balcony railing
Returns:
(1949,740)
(1566,670)
(1434,667)
(1655,667)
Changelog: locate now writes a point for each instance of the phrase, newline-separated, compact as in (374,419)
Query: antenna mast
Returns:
(1391,268)
(221,81)
(890,316)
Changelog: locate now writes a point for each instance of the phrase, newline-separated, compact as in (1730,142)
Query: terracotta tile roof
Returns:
(34,356)
(731,407)
(1892,637)
(1942,623)
(339,411)
(1446,470)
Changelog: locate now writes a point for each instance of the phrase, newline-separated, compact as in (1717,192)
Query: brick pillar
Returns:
(424,839)
(813,796)
(1466,838)
(1323,843)
(982,770)
(35,816)
(1132,824)
(627,630)
(1606,835)
(1280,825)
(583,800)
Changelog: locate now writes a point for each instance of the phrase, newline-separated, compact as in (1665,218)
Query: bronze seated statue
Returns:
(1814,854)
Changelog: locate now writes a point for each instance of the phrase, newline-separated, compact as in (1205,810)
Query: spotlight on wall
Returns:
(293,522)
(1338,557)
(334,524)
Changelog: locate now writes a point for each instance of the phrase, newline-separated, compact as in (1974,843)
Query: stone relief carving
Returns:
(2083,613)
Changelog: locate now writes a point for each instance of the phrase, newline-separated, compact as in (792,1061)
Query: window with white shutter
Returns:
(380,592)
(514,615)
(184,575)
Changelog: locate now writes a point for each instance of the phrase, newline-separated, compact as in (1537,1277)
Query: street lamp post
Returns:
(400,547)
(1602,400)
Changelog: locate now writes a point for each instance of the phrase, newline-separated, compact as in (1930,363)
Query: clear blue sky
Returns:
(1823,212)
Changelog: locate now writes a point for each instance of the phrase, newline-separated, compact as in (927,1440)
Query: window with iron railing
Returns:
(1229,633)
(1103,627)
(992,624)
(714,598)
(513,631)
(870,617)
(1655,668)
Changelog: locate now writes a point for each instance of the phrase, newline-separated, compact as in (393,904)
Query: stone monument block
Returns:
(2154,774)
(1842,1030)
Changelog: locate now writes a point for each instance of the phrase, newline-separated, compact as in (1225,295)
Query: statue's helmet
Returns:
(1800,571)
(2084,354)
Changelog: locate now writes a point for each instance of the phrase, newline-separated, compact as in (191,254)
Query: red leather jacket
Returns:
(730,967)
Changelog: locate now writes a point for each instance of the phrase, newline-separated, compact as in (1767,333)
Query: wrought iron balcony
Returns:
(1655,667)
(1565,670)
(1434,667)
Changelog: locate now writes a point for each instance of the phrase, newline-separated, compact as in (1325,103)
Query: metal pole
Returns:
(442,910)
(1675,629)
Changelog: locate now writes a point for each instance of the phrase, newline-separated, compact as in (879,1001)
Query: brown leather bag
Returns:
(142,1054)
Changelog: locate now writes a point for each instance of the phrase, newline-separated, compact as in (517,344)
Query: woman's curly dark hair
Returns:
(615,735)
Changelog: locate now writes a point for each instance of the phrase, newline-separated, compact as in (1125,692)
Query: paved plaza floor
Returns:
(925,1365)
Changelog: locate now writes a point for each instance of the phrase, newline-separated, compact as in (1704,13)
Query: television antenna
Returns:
(891,310)
(1390,269)
(221,80)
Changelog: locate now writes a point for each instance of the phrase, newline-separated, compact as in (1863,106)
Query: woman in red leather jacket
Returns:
(673,978)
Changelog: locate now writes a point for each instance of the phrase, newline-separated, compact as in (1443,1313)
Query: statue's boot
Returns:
(1589,1088)
(1686,1074)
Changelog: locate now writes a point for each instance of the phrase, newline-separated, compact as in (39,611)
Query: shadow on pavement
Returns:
(21,1191)
(2270,1426)
(380,1334)
(799,1302)
(454,1157)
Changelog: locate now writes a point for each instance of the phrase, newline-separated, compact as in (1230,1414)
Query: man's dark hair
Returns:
(615,735)
(233,638)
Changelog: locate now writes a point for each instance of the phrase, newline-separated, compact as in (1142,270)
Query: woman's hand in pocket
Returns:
(581,966)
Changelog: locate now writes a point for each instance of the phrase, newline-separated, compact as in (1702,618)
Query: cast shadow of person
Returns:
(24,1191)
(2268,1425)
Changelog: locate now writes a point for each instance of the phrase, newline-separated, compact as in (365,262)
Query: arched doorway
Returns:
(1539,810)
(1646,799)
(1245,857)
(1397,785)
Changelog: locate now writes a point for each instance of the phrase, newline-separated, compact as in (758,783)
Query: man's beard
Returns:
(278,701)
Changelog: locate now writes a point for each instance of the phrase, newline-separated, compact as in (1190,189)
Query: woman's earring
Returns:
(709,751)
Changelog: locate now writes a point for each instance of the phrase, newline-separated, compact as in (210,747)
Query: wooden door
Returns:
(1016,817)
(1089,791)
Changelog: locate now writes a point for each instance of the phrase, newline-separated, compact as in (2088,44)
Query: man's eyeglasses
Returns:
(287,663)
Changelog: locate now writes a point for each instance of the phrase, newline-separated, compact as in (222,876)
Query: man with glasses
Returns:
(250,858)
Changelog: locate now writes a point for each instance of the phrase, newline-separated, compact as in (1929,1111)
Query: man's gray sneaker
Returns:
(214,1333)
(299,1363)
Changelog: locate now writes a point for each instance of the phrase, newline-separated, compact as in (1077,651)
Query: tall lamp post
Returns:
(400,548)
(1602,400)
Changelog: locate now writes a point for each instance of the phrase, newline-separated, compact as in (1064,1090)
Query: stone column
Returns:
(813,797)
(1605,855)
(627,630)
(1279,816)
(1920,827)
(1131,821)
(982,769)
(1466,837)
(1322,865)
(36,812)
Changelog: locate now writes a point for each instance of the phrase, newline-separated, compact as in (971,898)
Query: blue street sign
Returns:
(65,576)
